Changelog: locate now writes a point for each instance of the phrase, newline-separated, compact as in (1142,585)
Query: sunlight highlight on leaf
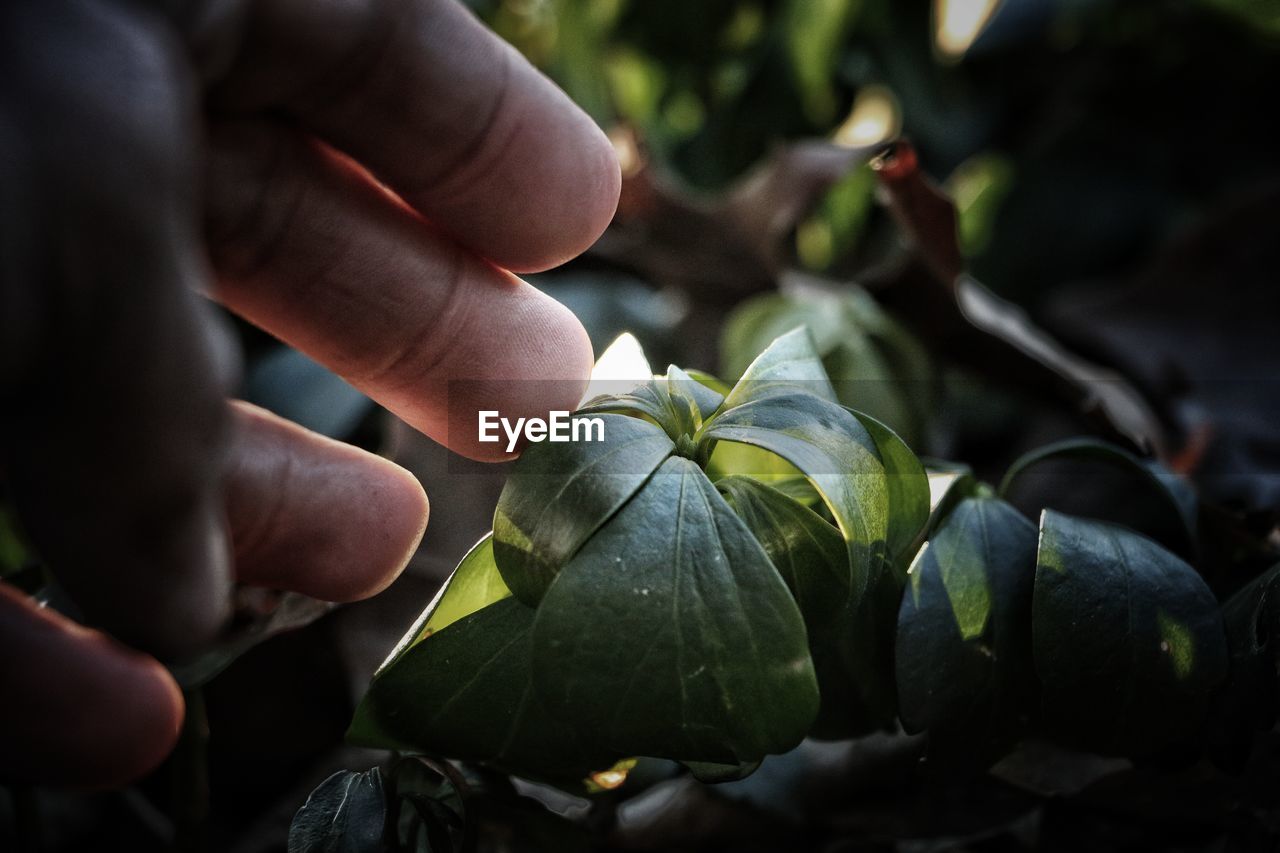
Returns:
(608,780)
(969,592)
(627,151)
(958,23)
(940,482)
(622,362)
(874,118)
(1177,642)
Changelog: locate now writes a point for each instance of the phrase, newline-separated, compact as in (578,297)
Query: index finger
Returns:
(437,107)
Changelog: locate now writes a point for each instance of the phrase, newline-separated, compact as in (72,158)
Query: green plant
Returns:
(651,596)
(627,605)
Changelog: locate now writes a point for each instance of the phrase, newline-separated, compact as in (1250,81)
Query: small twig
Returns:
(957,315)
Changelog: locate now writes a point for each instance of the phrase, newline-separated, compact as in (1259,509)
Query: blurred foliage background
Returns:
(1075,135)
(1112,164)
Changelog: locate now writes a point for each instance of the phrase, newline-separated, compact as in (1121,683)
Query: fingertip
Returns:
(145,726)
(535,360)
(575,352)
(583,359)
(400,515)
(592,189)
(93,713)
(317,516)
(457,122)
(157,712)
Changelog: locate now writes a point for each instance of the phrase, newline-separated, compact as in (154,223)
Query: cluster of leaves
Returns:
(711,85)
(627,605)
(1055,100)
(421,805)
(652,595)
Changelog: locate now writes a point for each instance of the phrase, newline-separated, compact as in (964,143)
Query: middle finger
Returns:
(309,247)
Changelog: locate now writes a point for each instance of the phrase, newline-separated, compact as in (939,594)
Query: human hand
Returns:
(356,177)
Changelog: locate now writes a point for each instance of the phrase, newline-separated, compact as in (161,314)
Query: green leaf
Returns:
(474,584)
(756,322)
(701,400)
(347,813)
(841,459)
(466,692)
(963,653)
(729,458)
(621,366)
(810,555)
(874,364)
(14,554)
(1248,702)
(1127,638)
(650,400)
(714,383)
(671,635)
(791,363)
(795,487)
(908,488)
(837,455)
(784,404)
(1094,479)
(808,552)
(559,494)
(949,484)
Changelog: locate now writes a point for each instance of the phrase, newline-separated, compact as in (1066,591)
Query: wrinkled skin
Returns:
(361,178)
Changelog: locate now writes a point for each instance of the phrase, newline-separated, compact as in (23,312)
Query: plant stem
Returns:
(191,778)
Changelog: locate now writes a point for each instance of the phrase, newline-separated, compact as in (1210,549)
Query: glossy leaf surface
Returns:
(789,364)
(695,647)
(701,400)
(963,655)
(834,452)
(1248,702)
(1094,479)
(559,494)
(1127,638)
(810,555)
(347,813)
(907,485)
(474,584)
(650,400)
(466,692)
